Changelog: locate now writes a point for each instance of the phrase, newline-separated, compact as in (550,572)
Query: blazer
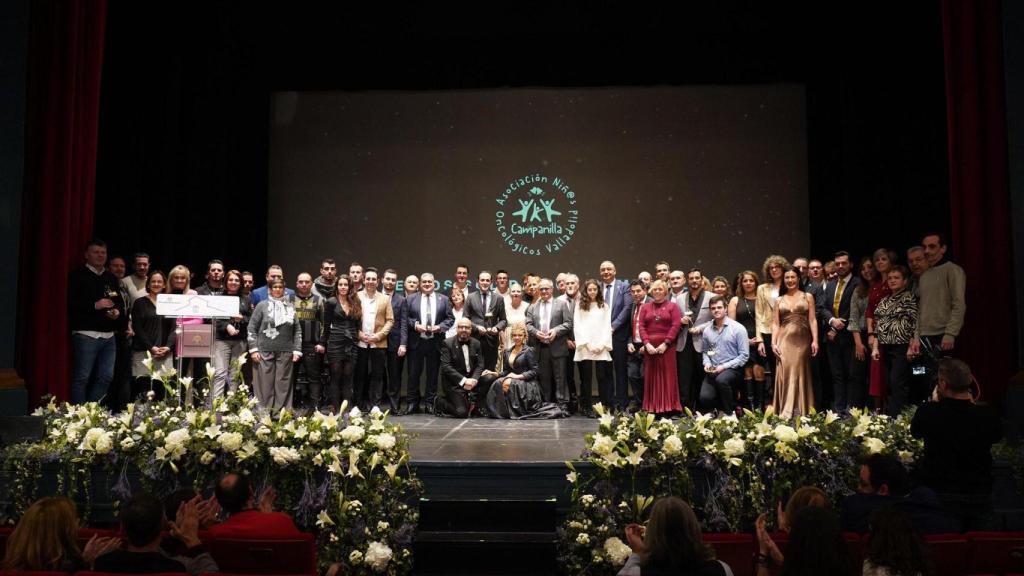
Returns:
(828,296)
(399,332)
(560,325)
(384,321)
(620,311)
(453,365)
(444,318)
(478,316)
(525,364)
(700,316)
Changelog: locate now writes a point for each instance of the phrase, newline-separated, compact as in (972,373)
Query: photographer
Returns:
(958,436)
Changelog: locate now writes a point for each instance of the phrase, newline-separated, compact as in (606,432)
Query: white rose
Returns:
(385,441)
(104,443)
(283,455)
(603,444)
(246,416)
(176,438)
(785,433)
(262,431)
(583,538)
(874,445)
(377,556)
(355,557)
(672,446)
(382,526)
(617,551)
(653,433)
(314,436)
(89,441)
(207,457)
(127,443)
(733,447)
(587,499)
(230,441)
(352,433)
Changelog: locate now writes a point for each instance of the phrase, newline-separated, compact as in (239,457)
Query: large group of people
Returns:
(795,336)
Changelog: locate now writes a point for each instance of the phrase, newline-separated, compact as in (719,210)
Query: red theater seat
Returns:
(33,573)
(736,550)
(91,573)
(949,553)
(995,552)
(272,556)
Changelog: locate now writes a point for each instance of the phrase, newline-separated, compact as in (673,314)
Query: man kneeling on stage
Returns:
(462,362)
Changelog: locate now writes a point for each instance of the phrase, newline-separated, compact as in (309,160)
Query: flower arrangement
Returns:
(731,468)
(346,474)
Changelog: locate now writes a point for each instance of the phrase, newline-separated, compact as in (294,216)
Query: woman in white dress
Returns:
(592,329)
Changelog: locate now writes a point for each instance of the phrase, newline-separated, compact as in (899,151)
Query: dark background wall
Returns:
(186,109)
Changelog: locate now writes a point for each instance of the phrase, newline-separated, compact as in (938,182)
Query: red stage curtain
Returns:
(65,61)
(979,196)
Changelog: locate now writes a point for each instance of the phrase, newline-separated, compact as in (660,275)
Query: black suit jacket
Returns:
(477,315)
(453,364)
(444,319)
(400,332)
(828,296)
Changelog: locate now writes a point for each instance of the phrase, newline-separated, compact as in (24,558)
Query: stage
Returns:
(488,440)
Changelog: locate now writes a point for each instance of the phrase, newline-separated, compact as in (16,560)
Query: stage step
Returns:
(463,535)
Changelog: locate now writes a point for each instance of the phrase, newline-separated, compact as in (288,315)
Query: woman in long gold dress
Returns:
(794,341)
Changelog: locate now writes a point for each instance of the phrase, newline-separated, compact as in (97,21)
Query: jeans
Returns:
(224,351)
(93,368)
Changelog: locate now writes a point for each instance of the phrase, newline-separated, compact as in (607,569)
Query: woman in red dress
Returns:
(659,325)
(883,261)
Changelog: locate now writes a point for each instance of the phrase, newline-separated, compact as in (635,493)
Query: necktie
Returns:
(465,356)
(545,319)
(487,302)
(430,320)
(608,294)
(839,296)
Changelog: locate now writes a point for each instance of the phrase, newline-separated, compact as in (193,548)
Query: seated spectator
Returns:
(804,497)
(142,519)
(816,546)
(958,437)
(207,511)
(235,496)
(46,538)
(894,547)
(884,482)
(672,544)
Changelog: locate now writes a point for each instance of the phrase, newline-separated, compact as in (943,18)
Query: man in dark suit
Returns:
(694,308)
(821,378)
(461,283)
(396,339)
(549,323)
(616,296)
(428,315)
(834,311)
(486,310)
(462,363)
(635,346)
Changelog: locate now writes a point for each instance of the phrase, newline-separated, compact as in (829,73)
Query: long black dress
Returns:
(523,399)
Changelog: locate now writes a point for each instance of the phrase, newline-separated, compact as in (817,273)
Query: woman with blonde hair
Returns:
(514,391)
(46,538)
(767,294)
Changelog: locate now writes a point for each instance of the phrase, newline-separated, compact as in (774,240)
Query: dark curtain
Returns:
(65,61)
(979,199)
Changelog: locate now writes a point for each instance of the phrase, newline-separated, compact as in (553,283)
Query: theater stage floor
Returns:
(486,440)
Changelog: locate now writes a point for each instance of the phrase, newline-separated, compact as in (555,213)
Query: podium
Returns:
(195,340)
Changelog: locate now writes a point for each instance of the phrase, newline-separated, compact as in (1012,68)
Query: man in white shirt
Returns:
(377,321)
(461,366)
(549,324)
(428,316)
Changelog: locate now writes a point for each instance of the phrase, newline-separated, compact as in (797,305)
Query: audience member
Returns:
(894,547)
(958,436)
(46,539)
(142,519)
(235,495)
(671,544)
(816,546)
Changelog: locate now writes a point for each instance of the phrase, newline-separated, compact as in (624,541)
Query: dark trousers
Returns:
(307,372)
(393,379)
(716,392)
(454,401)
(426,354)
(552,376)
(120,391)
(370,375)
(489,350)
(635,373)
(619,361)
(847,393)
(899,377)
(340,387)
(605,390)
(579,392)
(689,373)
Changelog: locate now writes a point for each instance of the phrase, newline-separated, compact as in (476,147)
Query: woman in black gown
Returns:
(514,392)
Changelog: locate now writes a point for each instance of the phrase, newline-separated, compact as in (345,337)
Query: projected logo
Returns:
(536,215)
